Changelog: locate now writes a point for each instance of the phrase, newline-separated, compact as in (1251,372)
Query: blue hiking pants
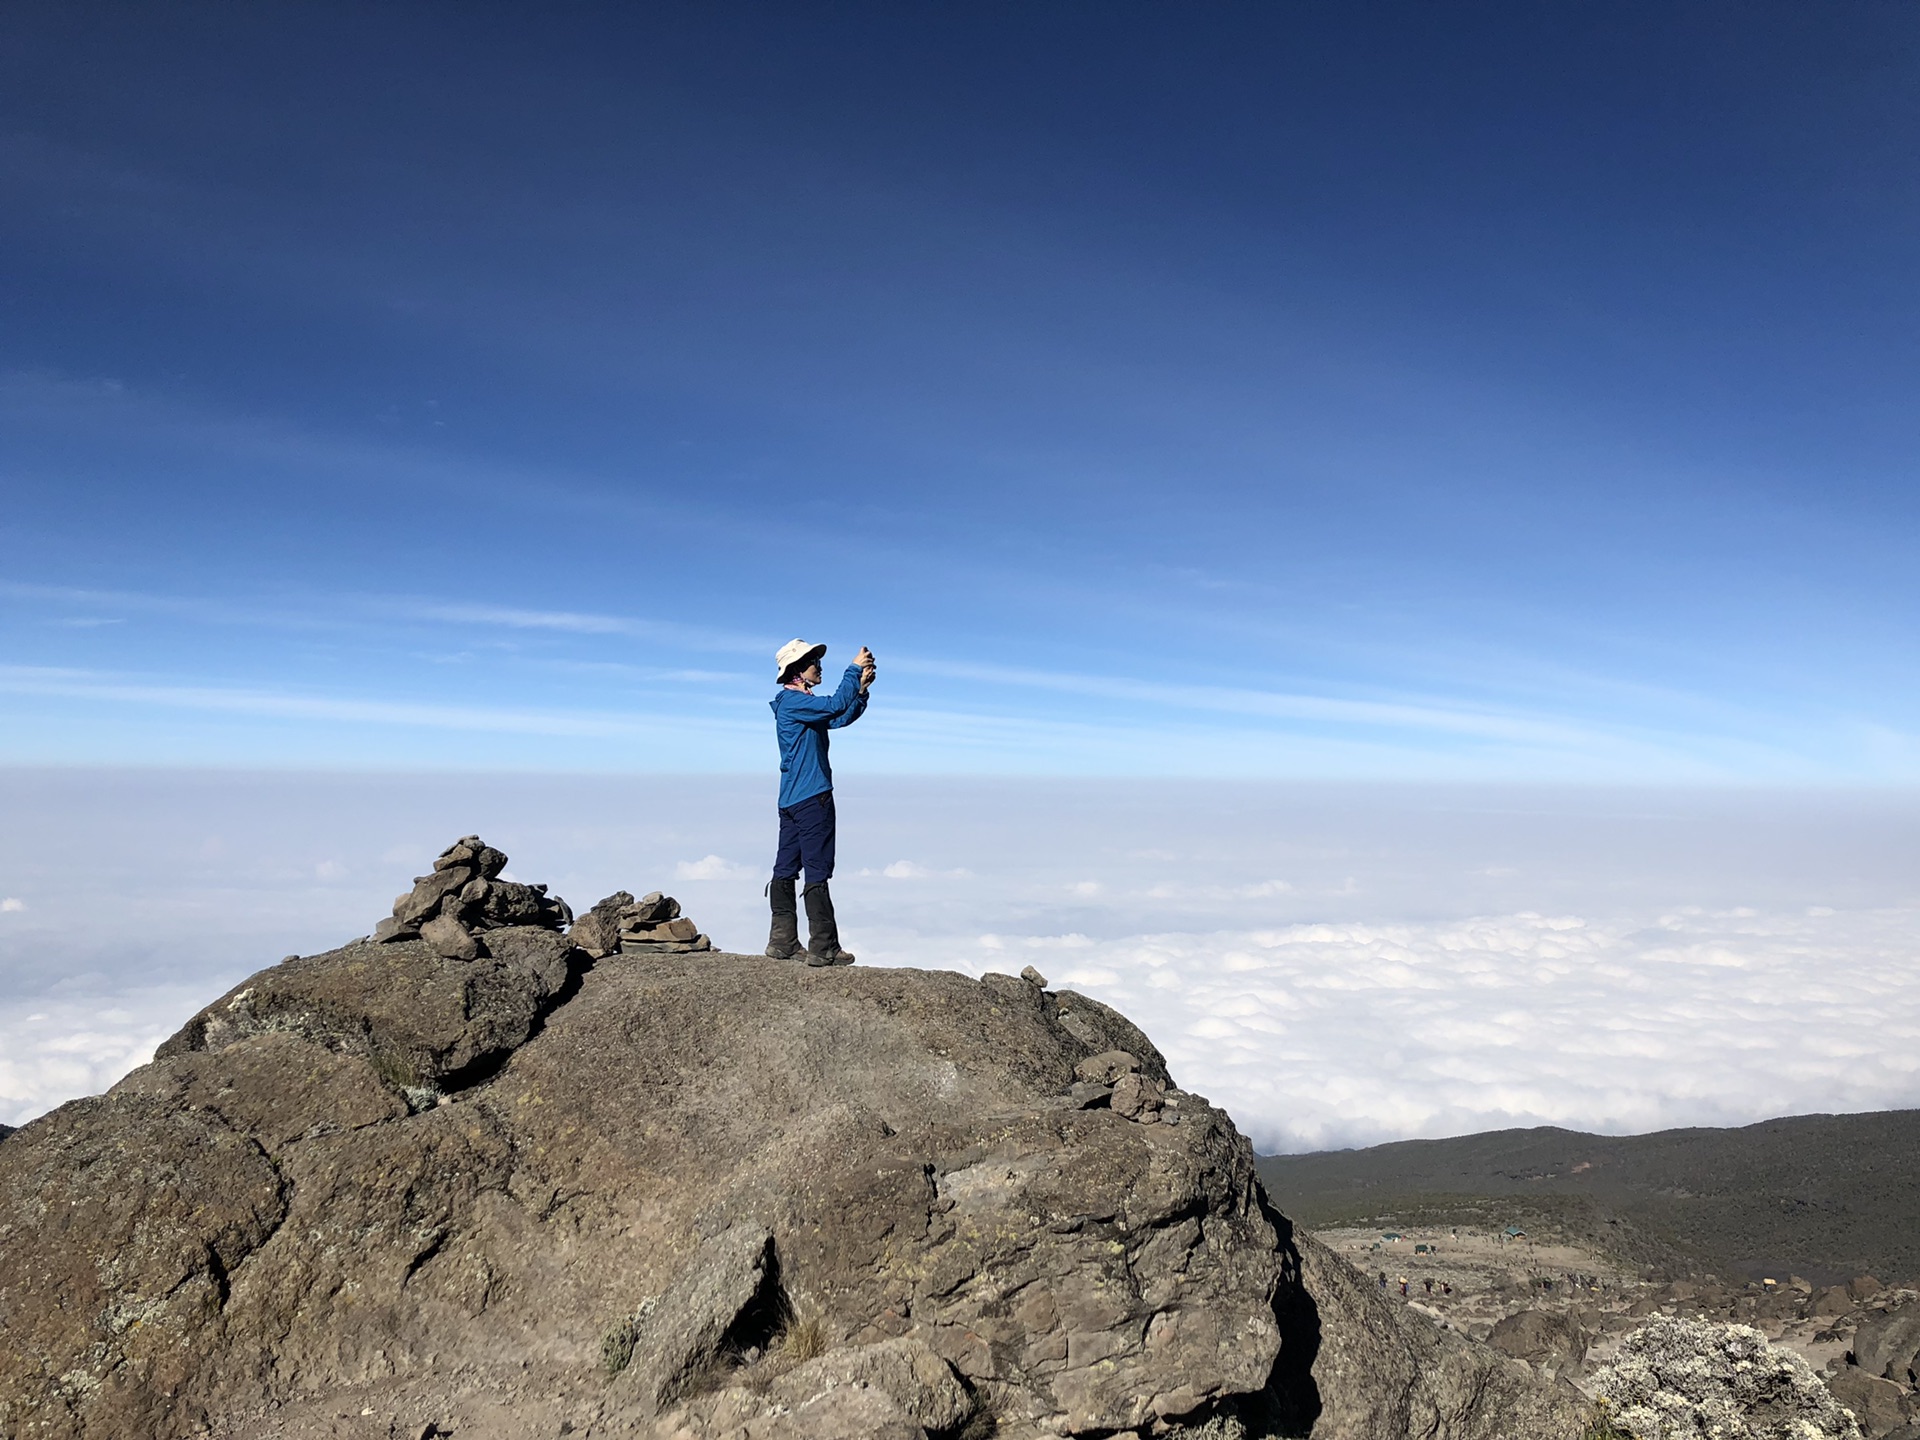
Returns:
(806,840)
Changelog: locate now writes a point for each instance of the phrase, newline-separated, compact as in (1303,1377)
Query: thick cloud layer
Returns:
(1337,966)
(1319,1036)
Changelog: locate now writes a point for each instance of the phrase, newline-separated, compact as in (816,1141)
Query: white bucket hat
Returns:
(794,655)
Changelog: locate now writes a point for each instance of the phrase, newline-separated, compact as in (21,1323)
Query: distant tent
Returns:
(1390,1235)
(1514,1232)
(1424,1250)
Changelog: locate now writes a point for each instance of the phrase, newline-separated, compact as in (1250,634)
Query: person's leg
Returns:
(826,828)
(790,854)
(813,837)
(783,939)
(823,931)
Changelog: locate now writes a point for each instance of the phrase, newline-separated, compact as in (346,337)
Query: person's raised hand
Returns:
(868,669)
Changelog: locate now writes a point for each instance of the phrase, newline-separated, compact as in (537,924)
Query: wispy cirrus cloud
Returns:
(354,609)
(1526,736)
(946,715)
(1411,714)
(576,622)
(93,686)
(256,611)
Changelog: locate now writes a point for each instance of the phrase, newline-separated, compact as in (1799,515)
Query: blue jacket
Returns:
(802,721)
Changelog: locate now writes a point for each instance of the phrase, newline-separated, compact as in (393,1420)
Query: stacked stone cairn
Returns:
(464,897)
(651,925)
(1113,1078)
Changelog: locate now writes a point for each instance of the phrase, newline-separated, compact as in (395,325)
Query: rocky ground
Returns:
(1824,1196)
(1566,1308)
(477,1175)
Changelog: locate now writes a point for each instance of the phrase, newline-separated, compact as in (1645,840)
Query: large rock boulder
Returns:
(426,1021)
(1888,1344)
(122,1221)
(386,1191)
(1548,1338)
(892,1130)
(1879,1407)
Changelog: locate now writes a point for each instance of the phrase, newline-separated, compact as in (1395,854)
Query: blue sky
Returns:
(1357,391)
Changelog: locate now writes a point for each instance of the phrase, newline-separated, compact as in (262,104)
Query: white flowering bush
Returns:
(1695,1380)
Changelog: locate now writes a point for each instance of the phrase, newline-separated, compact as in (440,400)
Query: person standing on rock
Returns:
(801,720)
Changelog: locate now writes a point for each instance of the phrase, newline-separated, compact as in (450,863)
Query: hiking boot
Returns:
(823,934)
(783,941)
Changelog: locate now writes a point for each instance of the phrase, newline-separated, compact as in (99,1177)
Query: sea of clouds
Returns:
(1337,965)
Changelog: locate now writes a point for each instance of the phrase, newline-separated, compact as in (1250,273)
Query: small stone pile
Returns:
(651,925)
(1113,1078)
(464,897)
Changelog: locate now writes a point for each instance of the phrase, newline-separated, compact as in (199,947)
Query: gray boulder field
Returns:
(395,1191)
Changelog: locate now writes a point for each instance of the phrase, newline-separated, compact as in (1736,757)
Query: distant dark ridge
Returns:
(6,1130)
(1824,1196)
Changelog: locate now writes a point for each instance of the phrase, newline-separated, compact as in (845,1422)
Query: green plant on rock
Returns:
(616,1346)
(396,1070)
(1602,1426)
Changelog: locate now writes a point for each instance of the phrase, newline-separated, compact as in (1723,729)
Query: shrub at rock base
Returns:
(1682,1379)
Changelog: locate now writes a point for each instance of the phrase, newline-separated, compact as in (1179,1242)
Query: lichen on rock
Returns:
(1679,1379)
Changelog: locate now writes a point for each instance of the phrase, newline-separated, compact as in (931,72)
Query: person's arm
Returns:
(858,708)
(863,664)
(809,709)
